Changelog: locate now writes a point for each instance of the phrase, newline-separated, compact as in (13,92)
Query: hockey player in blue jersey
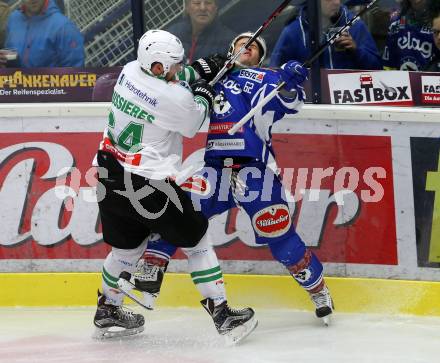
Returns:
(236,173)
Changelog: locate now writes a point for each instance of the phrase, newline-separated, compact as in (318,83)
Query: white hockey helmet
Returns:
(159,46)
(259,40)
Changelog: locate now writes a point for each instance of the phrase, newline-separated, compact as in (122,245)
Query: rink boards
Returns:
(364,182)
(259,291)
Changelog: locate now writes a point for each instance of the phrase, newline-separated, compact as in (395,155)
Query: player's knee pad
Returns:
(201,247)
(205,270)
(126,260)
(302,264)
(202,256)
(119,260)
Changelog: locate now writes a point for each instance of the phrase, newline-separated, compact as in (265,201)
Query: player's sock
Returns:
(205,271)
(117,261)
(307,270)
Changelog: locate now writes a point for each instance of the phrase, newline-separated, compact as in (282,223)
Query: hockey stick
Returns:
(307,63)
(232,60)
(126,285)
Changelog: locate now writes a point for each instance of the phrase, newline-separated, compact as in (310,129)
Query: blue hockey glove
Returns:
(293,73)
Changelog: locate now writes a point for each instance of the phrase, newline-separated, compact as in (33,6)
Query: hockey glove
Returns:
(293,73)
(208,67)
(201,88)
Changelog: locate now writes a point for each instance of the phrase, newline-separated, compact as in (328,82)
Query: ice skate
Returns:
(113,321)
(324,304)
(147,279)
(234,324)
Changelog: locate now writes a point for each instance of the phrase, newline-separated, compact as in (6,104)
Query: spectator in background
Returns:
(201,31)
(4,13)
(355,49)
(43,36)
(410,45)
(434,8)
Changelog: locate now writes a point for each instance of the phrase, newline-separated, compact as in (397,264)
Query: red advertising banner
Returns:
(343,186)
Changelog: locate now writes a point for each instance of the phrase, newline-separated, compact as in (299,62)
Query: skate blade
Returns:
(126,288)
(326,320)
(237,334)
(106,333)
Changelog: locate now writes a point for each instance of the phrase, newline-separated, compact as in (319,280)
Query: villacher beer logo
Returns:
(272,221)
(371,88)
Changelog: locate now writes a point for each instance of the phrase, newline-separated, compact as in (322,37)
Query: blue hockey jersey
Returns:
(409,46)
(236,95)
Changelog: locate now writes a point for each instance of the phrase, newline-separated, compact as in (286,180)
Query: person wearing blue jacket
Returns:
(43,36)
(355,49)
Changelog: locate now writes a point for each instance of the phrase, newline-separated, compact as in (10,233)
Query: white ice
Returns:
(63,335)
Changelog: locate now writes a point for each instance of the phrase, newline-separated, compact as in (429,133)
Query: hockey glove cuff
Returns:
(202,89)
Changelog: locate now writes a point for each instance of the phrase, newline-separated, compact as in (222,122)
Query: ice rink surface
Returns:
(63,335)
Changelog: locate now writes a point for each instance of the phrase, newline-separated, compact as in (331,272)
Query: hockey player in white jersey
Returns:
(138,160)
(249,149)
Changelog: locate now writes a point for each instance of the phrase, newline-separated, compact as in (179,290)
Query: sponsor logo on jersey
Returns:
(222,108)
(132,159)
(141,94)
(196,184)
(225,144)
(272,221)
(411,42)
(410,64)
(252,75)
(222,128)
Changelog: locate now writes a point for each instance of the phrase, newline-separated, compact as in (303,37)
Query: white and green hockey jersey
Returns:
(148,118)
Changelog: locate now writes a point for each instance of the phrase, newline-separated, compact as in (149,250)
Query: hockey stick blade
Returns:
(126,287)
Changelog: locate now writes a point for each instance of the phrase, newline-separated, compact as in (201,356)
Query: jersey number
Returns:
(131,135)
